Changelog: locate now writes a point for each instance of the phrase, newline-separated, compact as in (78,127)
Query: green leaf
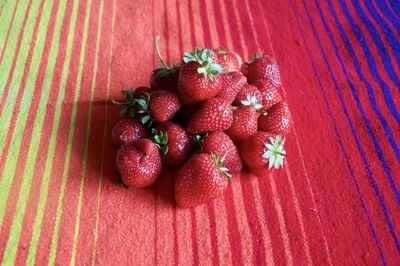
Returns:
(274,152)
(157,139)
(205,60)
(145,119)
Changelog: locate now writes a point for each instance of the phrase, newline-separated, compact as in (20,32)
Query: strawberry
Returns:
(244,69)
(165,77)
(244,123)
(232,83)
(199,77)
(185,114)
(221,145)
(127,130)
(139,163)
(214,114)
(263,67)
(247,92)
(276,120)
(230,60)
(200,180)
(173,142)
(270,95)
(262,151)
(159,106)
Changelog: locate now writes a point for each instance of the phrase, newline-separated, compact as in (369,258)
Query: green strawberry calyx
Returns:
(143,103)
(255,57)
(218,161)
(164,70)
(274,152)
(127,108)
(199,139)
(251,99)
(208,68)
(161,140)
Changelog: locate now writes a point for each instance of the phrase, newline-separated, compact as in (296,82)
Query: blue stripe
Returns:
(372,64)
(396,6)
(387,30)
(374,71)
(323,92)
(370,131)
(393,43)
(369,88)
(392,18)
(362,153)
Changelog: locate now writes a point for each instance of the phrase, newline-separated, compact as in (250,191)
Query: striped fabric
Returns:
(336,202)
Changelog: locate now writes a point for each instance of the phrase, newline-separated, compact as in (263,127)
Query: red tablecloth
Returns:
(336,201)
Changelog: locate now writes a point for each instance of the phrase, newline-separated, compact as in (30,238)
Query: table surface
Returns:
(336,201)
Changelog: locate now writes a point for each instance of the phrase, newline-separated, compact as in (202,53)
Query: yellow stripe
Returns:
(10,50)
(104,135)
(88,126)
(52,142)
(5,20)
(12,158)
(298,148)
(33,148)
(54,241)
(5,67)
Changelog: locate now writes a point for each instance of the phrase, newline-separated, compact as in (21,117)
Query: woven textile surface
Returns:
(335,202)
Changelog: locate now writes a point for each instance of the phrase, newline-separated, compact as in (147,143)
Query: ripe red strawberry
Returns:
(221,145)
(213,115)
(243,69)
(139,163)
(230,60)
(200,180)
(185,114)
(232,83)
(270,95)
(173,142)
(199,79)
(159,106)
(248,91)
(165,77)
(263,67)
(262,151)
(276,120)
(244,123)
(127,130)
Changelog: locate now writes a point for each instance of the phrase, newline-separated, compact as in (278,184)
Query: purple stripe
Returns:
(323,92)
(371,176)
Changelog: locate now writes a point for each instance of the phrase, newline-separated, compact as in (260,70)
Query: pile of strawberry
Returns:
(210,115)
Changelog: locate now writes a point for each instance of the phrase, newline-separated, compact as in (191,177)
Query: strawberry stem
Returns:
(127,108)
(218,162)
(159,53)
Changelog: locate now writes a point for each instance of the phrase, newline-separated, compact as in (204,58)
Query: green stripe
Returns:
(104,135)
(5,20)
(54,241)
(88,126)
(18,72)
(9,52)
(52,142)
(12,244)
(12,158)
